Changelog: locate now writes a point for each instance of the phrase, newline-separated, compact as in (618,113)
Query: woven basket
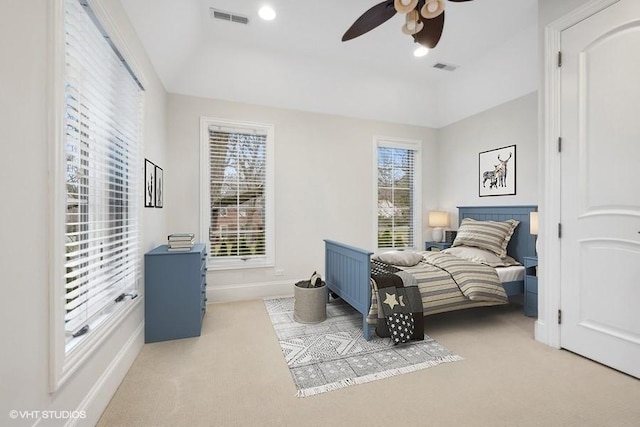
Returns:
(310,304)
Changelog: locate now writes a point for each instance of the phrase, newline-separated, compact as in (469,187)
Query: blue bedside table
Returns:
(437,246)
(531,286)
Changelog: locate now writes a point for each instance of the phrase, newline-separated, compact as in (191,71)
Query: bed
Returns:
(348,268)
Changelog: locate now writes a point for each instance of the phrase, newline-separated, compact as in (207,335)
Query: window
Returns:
(96,225)
(398,194)
(238,182)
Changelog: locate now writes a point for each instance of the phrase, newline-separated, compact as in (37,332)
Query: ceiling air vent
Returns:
(446,67)
(229,16)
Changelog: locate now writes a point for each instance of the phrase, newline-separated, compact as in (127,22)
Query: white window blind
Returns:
(102,144)
(396,196)
(237,184)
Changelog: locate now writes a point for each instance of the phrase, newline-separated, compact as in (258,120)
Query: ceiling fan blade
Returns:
(369,20)
(430,34)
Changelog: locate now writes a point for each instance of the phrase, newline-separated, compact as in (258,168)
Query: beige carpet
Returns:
(235,375)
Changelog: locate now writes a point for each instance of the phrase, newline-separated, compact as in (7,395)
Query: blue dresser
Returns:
(175,298)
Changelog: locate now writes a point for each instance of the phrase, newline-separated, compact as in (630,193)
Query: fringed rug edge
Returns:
(347,382)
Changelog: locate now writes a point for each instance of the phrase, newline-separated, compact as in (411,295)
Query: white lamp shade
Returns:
(412,25)
(533,222)
(432,9)
(405,6)
(533,226)
(438,219)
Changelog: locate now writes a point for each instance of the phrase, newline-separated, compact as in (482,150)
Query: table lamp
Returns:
(437,220)
(533,226)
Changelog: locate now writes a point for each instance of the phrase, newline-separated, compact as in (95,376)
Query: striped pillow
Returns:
(493,236)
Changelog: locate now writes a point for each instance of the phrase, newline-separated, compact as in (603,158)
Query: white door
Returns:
(600,188)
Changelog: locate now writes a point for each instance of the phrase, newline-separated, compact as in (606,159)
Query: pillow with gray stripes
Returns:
(493,236)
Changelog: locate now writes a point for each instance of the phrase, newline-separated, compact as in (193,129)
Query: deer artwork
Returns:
(498,176)
(501,171)
(491,177)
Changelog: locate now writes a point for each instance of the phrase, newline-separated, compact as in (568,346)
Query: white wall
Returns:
(504,73)
(324,184)
(550,10)
(24,224)
(459,144)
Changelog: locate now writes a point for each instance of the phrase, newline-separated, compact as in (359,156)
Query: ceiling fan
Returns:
(424,19)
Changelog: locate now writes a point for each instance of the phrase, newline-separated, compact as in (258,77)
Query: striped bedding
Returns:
(448,283)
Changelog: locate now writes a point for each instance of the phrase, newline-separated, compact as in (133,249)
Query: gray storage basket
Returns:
(310,304)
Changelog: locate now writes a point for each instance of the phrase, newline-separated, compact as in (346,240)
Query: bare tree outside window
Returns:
(237,192)
(395,197)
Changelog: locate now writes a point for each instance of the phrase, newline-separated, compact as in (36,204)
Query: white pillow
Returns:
(401,258)
(482,256)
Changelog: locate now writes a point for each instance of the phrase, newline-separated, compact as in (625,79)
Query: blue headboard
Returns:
(522,243)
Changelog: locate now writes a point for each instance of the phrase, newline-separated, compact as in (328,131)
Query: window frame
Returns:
(404,144)
(228,263)
(66,358)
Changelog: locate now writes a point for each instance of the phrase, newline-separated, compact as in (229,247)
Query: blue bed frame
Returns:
(348,269)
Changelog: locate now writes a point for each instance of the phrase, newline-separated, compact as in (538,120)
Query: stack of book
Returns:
(181,241)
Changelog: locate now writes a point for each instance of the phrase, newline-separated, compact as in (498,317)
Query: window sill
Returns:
(80,349)
(238,264)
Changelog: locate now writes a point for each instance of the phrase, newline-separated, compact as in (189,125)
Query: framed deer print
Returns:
(497,172)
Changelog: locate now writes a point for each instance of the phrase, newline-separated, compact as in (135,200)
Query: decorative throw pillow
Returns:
(482,256)
(493,236)
(401,258)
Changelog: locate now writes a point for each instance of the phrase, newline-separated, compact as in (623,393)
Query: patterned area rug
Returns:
(333,354)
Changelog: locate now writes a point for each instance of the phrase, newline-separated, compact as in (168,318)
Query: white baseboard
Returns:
(105,387)
(249,291)
(540,332)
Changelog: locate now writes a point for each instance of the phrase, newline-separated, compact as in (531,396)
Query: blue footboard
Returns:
(347,273)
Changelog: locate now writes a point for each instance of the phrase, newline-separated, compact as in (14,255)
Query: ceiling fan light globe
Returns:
(432,9)
(267,13)
(420,51)
(405,6)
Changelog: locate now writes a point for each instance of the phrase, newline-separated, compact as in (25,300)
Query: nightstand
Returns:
(531,286)
(436,246)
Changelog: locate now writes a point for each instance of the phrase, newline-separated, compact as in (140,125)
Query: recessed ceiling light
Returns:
(267,13)
(420,51)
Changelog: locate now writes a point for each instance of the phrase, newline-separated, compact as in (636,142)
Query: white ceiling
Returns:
(298,60)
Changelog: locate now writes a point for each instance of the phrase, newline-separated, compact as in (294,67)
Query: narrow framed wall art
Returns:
(159,186)
(149,184)
(497,172)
